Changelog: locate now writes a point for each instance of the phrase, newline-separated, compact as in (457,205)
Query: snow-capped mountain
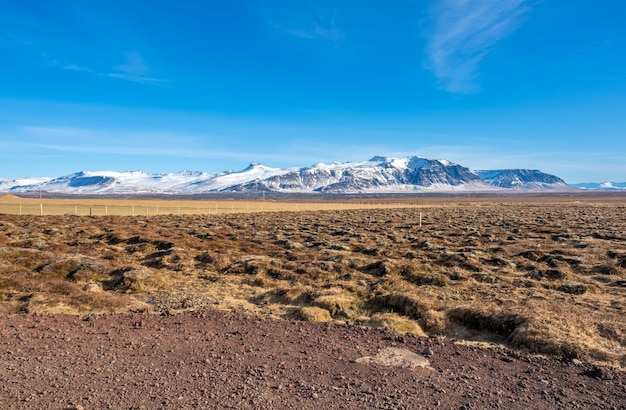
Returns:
(15,184)
(603,186)
(521,179)
(377,175)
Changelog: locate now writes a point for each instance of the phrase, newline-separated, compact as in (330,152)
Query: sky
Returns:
(165,86)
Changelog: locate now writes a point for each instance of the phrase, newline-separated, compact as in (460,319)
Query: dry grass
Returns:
(312,314)
(395,322)
(545,275)
(13,205)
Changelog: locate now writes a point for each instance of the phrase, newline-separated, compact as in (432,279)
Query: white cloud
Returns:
(463,32)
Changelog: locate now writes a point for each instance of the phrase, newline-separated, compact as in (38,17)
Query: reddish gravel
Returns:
(217,359)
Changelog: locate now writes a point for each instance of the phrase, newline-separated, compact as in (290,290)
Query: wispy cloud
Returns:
(329,32)
(133,66)
(132,69)
(9,39)
(74,67)
(45,45)
(93,138)
(463,32)
(83,147)
(317,24)
(142,143)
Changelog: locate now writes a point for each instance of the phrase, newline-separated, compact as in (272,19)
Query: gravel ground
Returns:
(218,359)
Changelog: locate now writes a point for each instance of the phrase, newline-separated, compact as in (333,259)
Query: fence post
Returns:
(40,209)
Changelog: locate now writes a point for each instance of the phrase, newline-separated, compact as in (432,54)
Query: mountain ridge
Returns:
(377,175)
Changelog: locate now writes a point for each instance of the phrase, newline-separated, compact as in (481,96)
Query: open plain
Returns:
(487,283)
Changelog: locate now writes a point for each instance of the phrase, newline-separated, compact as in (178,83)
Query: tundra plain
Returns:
(542,275)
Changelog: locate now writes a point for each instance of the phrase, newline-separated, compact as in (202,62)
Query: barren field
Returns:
(538,275)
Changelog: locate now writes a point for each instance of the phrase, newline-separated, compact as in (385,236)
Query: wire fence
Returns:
(50,207)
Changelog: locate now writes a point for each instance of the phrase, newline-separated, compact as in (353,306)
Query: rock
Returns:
(294,245)
(576,361)
(554,274)
(456,276)
(600,373)
(346,313)
(379,269)
(484,278)
(393,356)
(573,288)
(427,352)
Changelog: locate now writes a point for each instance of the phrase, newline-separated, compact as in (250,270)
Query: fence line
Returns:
(50,207)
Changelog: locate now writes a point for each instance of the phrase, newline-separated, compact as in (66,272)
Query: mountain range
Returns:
(603,186)
(377,175)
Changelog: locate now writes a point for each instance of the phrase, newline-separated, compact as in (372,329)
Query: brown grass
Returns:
(547,275)
(14,205)
(395,322)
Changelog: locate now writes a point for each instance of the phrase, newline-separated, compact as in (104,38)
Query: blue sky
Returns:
(164,86)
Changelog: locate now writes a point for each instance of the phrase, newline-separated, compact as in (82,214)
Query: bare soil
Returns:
(220,359)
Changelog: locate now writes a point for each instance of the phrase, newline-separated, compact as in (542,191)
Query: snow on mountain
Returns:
(254,172)
(527,179)
(111,182)
(604,186)
(377,175)
(8,184)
